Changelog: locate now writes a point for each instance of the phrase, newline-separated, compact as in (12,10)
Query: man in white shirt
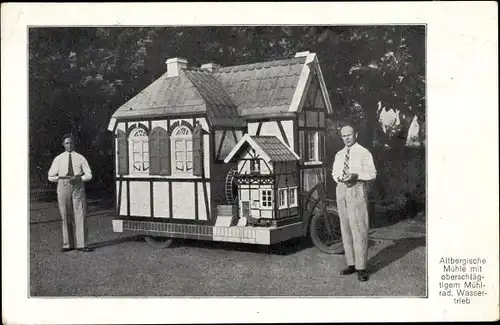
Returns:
(70,170)
(353,170)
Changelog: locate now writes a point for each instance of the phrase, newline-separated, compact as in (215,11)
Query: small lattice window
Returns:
(266,199)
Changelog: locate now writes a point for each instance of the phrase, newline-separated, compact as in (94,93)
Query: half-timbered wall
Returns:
(286,180)
(244,163)
(283,129)
(160,193)
(311,135)
(252,193)
(224,140)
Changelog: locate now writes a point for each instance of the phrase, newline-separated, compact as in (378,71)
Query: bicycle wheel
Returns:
(325,233)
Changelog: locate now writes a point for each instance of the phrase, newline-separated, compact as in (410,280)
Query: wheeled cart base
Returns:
(236,234)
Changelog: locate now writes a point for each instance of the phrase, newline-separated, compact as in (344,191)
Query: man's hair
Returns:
(66,136)
(349,124)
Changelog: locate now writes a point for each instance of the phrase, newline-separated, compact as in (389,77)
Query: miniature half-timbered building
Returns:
(222,153)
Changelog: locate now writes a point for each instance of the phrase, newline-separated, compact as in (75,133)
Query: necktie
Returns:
(345,172)
(70,167)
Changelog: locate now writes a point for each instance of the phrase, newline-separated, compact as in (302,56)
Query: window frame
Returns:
(283,191)
(187,142)
(293,189)
(287,191)
(315,143)
(143,140)
(266,199)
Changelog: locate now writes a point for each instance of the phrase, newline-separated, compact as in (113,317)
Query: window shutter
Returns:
(159,152)
(164,146)
(198,151)
(122,153)
(154,152)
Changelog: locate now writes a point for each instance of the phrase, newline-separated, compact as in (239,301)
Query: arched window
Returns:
(139,151)
(182,149)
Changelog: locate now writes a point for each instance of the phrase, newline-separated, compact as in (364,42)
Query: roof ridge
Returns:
(264,65)
(196,69)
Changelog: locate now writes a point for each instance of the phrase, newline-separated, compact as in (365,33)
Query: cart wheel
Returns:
(329,242)
(159,242)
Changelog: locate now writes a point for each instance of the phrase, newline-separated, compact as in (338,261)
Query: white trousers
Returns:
(72,206)
(352,204)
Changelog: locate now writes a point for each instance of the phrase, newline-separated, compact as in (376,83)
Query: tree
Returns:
(79,76)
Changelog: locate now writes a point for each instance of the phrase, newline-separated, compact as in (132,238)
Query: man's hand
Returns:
(75,179)
(351,180)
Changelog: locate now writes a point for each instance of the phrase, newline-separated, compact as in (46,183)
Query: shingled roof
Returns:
(194,91)
(262,88)
(274,148)
(270,148)
(228,95)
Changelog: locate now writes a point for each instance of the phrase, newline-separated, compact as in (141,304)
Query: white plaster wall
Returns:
(206,154)
(140,199)
(266,214)
(162,123)
(252,128)
(183,200)
(203,122)
(123,203)
(289,131)
(270,128)
(202,214)
(161,199)
(239,134)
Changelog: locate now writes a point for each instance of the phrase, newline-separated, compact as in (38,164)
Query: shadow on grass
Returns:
(285,248)
(116,241)
(394,252)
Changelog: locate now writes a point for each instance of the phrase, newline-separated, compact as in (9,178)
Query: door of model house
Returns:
(245,209)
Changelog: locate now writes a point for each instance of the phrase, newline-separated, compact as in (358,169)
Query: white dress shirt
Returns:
(60,167)
(360,162)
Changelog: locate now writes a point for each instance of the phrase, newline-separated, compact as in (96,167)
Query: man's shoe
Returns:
(349,270)
(85,249)
(362,275)
(66,249)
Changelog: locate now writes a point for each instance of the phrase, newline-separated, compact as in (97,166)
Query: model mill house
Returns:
(222,153)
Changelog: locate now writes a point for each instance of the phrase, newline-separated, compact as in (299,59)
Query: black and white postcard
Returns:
(213,162)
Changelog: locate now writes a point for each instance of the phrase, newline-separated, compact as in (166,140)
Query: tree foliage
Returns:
(79,76)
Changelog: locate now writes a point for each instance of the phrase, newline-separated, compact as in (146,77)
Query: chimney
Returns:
(174,66)
(212,67)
